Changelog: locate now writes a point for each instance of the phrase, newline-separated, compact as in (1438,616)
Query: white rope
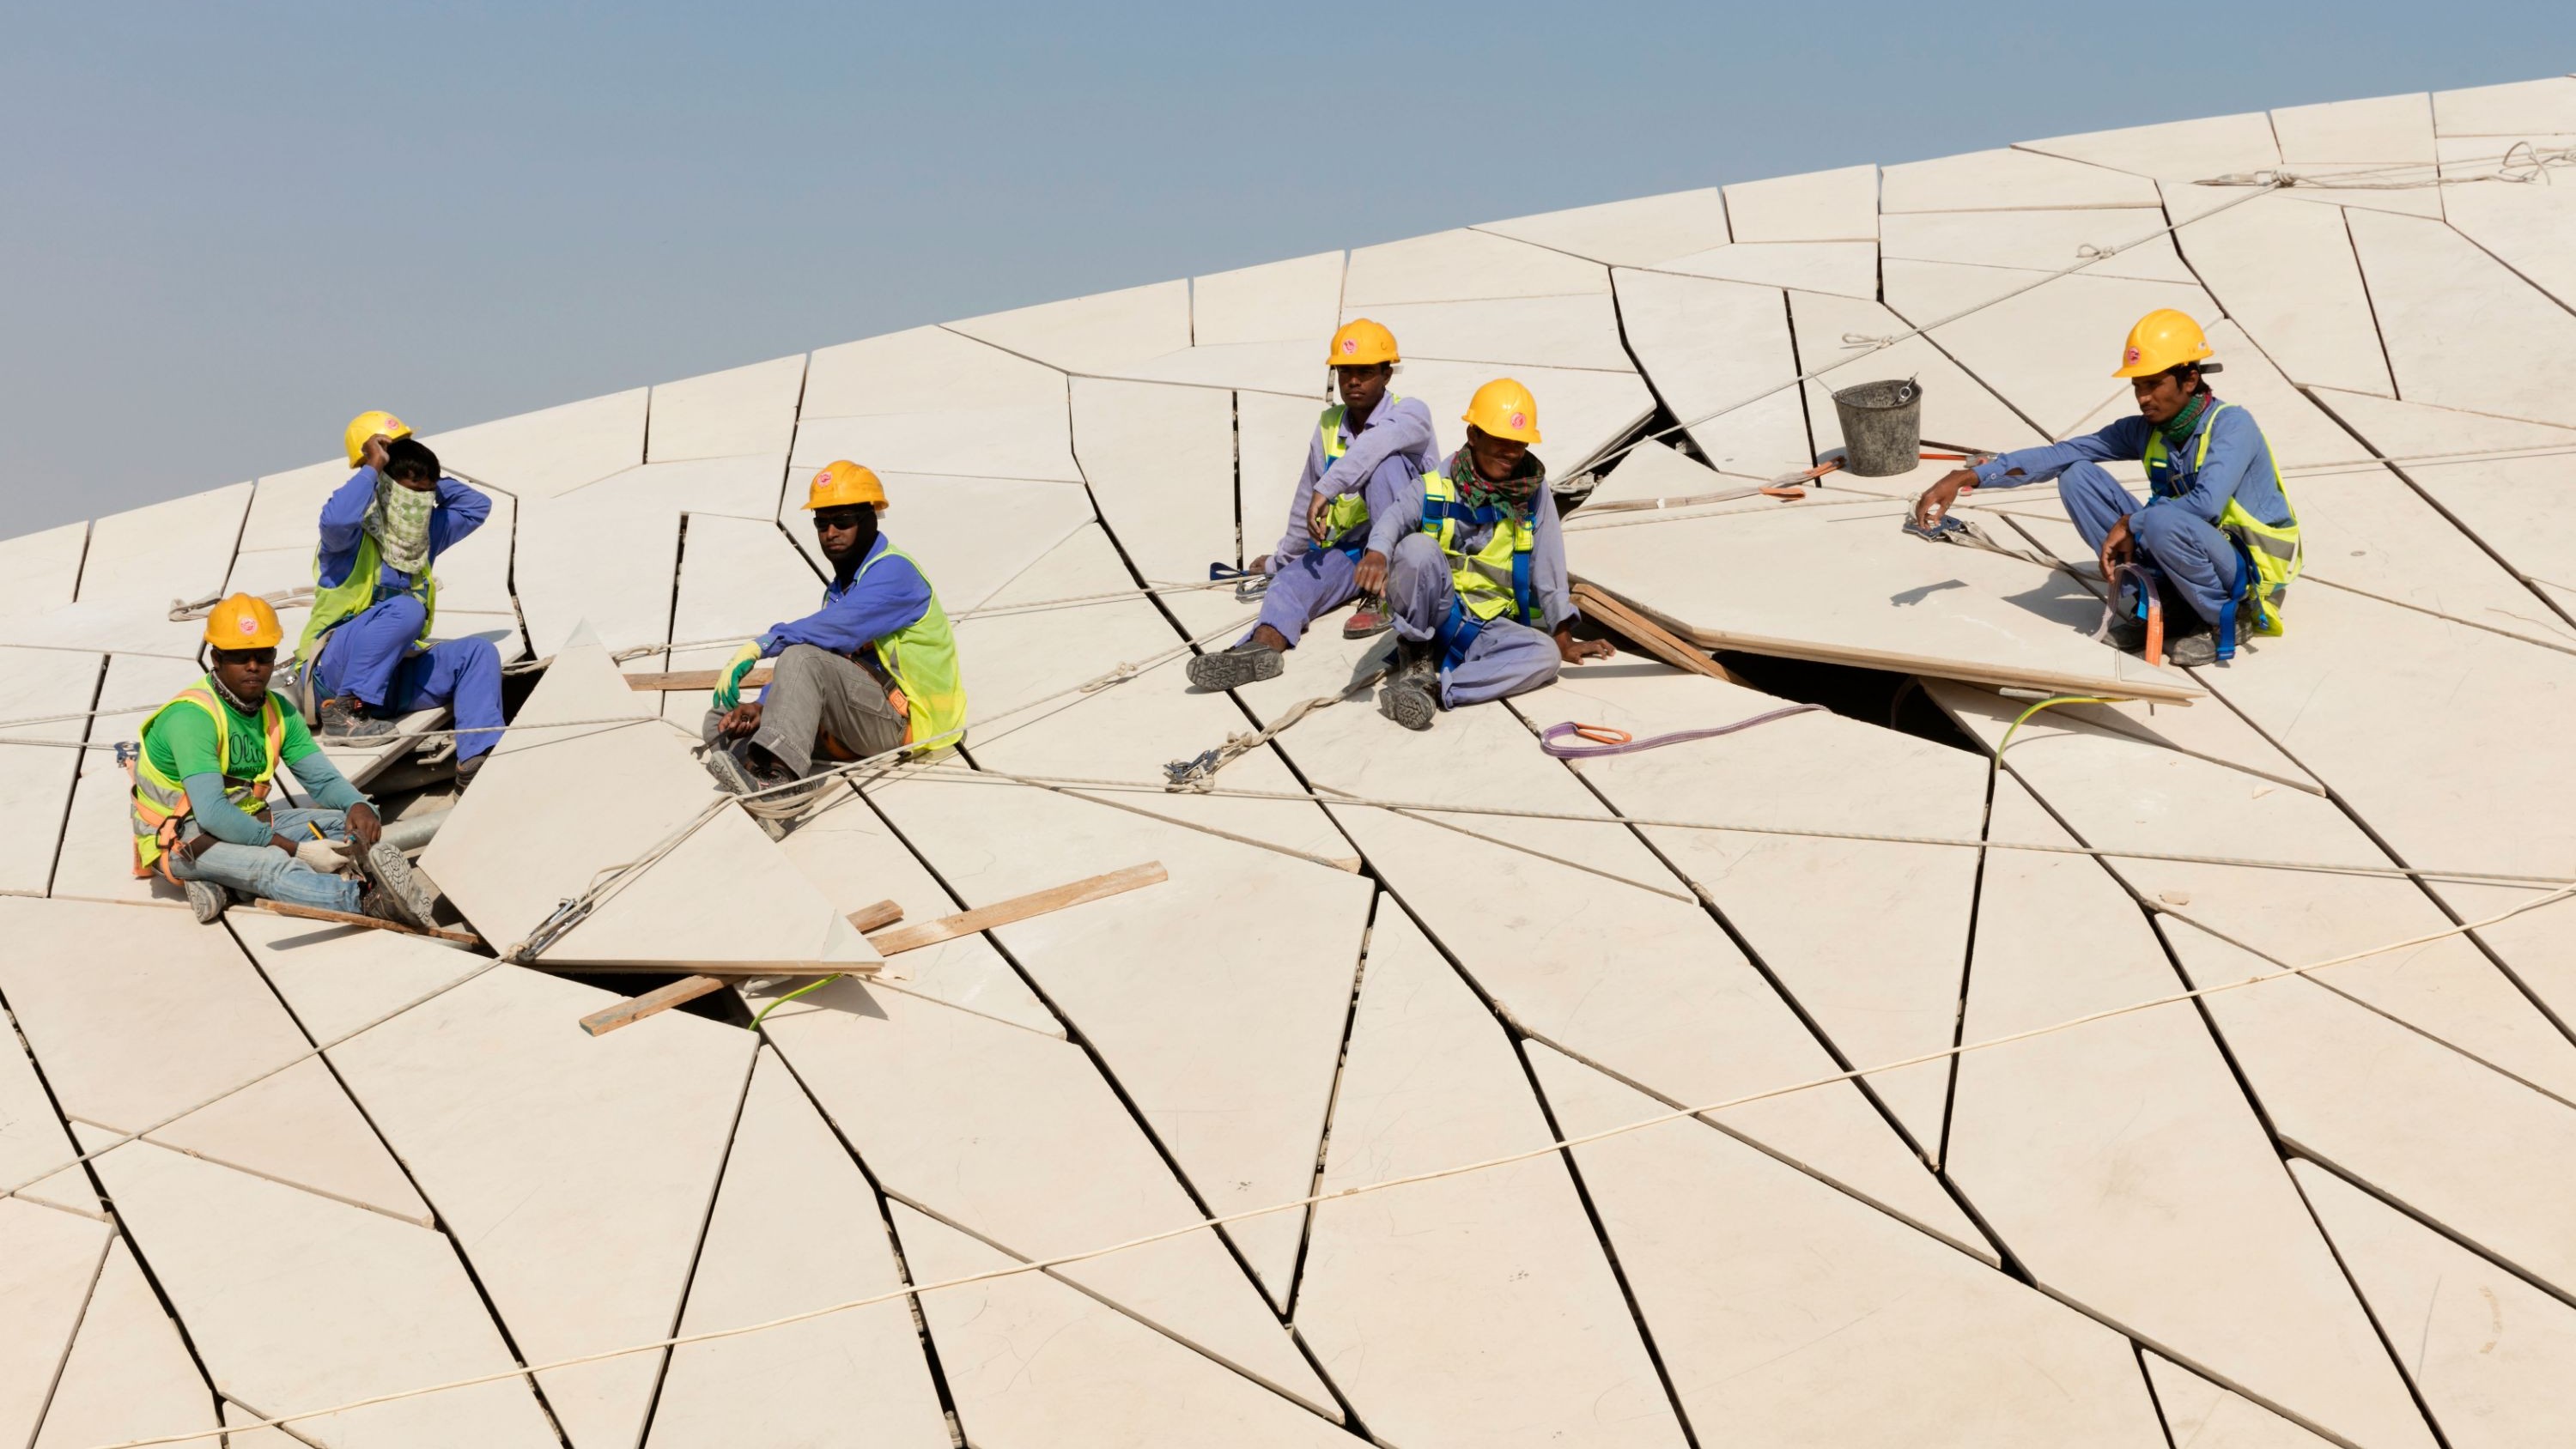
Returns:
(1559,1145)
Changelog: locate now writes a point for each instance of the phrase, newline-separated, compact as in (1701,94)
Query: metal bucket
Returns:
(1882,427)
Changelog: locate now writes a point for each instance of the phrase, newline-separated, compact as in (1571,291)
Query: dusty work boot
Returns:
(1367,621)
(2191,651)
(376,904)
(345,718)
(385,869)
(207,900)
(738,777)
(2129,636)
(466,770)
(1411,697)
(1245,663)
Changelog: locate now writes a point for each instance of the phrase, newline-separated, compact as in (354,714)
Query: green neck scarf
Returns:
(1517,493)
(2178,432)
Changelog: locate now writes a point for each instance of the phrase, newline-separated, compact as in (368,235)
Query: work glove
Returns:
(729,679)
(327,856)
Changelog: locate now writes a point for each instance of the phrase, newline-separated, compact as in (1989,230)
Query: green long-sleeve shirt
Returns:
(181,745)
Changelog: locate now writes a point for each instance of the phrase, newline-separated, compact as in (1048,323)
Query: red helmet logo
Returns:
(2129,358)
(1350,345)
(823,477)
(249,625)
(1520,420)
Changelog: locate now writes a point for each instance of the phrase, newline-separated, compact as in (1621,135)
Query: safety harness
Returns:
(1494,581)
(2267,555)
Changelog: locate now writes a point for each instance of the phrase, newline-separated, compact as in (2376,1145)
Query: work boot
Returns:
(736,777)
(2129,636)
(1367,621)
(466,770)
(376,905)
(385,868)
(2191,651)
(1411,697)
(1245,663)
(345,718)
(207,899)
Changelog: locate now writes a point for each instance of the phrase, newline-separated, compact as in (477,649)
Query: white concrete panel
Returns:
(922,369)
(45,1278)
(1789,1314)
(2286,273)
(574,1171)
(1475,1309)
(1160,461)
(1035,1365)
(1576,331)
(1028,440)
(1882,984)
(2050,351)
(1714,347)
(1295,369)
(1957,408)
(1093,334)
(1637,233)
(1015,1138)
(33,1138)
(1298,300)
(2042,241)
(738,578)
(2205,1416)
(43,568)
(556,806)
(551,451)
(129,1375)
(1817,206)
(2493,1356)
(1228,1056)
(2462,331)
(741,410)
(2174,150)
(1272,437)
(36,779)
(136,1014)
(2380,129)
(590,562)
(2122,1164)
(284,507)
(1579,412)
(2006,180)
(141,560)
(97,857)
(1462,266)
(2517,108)
(2531,228)
(2466,1147)
(2504,481)
(296,1302)
(1845,268)
(858,1374)
(1579,934)
(970,536)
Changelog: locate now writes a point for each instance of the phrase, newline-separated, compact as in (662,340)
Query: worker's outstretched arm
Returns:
(1296,540)
(461,510)
(892,596)
(2125,440)
(343,514)
(322,780)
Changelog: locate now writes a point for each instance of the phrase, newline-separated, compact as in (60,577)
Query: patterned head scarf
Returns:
(399,522)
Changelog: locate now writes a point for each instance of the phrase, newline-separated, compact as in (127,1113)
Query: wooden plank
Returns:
(368,923)
(652,1003)
(1018,908)
(1646,634)
(877,917)
(679,679)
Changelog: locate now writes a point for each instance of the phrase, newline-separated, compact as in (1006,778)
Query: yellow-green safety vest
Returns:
(1494,580)
(1347,510)
(921,659)
(356,594)
(161,806)
(2274,550)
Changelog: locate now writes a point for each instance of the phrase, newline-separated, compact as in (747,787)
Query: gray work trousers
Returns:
(1506,658)
(814,692)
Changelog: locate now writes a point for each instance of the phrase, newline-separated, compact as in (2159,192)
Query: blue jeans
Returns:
(2194,557)
(268,872)
(370,656)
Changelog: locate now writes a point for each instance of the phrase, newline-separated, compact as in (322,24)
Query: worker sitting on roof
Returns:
(201,784)
(1479,592)
(366,649)
(873,670)
(1354,499)
(2216,531)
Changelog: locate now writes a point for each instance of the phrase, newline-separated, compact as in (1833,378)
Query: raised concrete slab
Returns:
(1847,268)
(1636,233)
(2514,109)
(128,1375)
(2462,331)
(33,1137)
(1714,347)
(2050,350)
(1463,266)
(551,451)
(45,1278)
(2529,227)
(858,1372)
(921,369)
(741,410)
(46,566)
(1092,334)
(1298,300)
(1837,205)
(1576,331)
(2173,150)
(1475,1309)
(1957,408)
(2285,272)
(2041,241)
(36,779)
(1160,462)
(1026,440)
(2006,180)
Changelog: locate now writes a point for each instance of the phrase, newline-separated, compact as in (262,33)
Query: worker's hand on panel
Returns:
(1937,499)
(363,825)
(1370,575)
(1575,651)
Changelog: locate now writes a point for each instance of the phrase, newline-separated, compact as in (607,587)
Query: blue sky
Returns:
(226,228)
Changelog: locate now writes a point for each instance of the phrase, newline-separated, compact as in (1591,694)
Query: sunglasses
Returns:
(247,656)
(839,517)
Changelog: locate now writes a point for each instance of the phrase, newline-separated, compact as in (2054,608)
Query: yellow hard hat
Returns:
(1505,409)
(1361,343)
(244,621)
(367,425)
(2162,339)
(841,484)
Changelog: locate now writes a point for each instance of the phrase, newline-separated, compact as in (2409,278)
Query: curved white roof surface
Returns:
(2192,1072)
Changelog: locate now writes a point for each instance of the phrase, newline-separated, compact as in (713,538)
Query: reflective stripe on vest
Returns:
(1494,580)
(2273,551)
(160,805)
(921,659)
(356,594)
(1347,511)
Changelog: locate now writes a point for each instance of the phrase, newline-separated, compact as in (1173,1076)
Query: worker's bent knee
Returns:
(405,607)
(1417,551)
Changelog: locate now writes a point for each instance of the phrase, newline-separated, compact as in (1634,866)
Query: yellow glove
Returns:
(729,679)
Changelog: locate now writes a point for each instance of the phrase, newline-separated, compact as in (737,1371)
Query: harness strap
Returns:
(2227,611)
(1456,635)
